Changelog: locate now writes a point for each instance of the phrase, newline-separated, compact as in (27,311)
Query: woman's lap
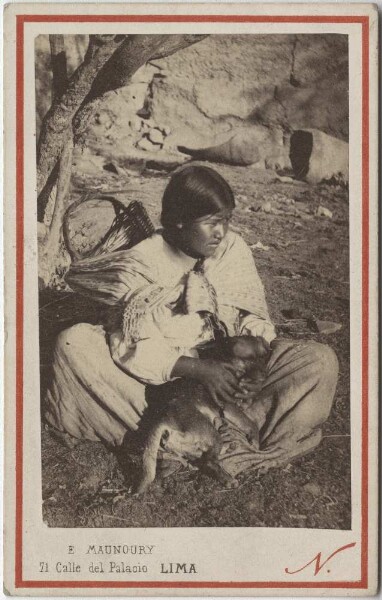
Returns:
(91,398)
(300,383)
(295,401)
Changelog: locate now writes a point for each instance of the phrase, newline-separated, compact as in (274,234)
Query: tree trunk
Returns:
(51,245)
(59,86)
(61,204)
(57,126)
(59,71)
(134,53)
(176,43)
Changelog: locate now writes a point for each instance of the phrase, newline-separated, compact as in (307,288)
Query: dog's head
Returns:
(249,347)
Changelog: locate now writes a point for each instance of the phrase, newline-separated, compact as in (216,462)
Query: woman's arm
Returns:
(251,325)
(151,360)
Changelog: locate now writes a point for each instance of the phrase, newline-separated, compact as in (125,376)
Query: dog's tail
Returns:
(149,463)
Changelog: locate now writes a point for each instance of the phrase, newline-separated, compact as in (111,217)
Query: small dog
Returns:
(186,427)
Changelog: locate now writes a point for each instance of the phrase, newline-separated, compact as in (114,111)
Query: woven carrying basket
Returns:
(97,225)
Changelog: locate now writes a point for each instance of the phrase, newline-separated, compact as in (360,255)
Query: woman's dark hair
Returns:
(193,192)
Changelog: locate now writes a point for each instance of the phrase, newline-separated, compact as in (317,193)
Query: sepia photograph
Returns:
(193,274)
(191,299)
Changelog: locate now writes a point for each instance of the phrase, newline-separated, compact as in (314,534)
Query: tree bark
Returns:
(50,244)
(59,70)
(132,54)
(63,186)
(57,125)
(176,43)
(59,86)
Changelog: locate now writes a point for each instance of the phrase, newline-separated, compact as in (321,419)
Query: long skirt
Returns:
(90,398)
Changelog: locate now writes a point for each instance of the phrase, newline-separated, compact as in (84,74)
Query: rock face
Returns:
(228,98)
(285,81)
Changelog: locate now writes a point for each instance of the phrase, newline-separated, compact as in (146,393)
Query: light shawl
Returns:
(125,277)
(232,273)
(121,278)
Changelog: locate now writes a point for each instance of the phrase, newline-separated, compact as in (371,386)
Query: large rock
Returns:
(243,146)
(316,156)
(281,80)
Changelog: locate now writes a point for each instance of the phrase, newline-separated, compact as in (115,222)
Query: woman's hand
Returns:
(220,378)
(249,390)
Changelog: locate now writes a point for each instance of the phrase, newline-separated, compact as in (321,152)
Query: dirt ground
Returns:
(304,264)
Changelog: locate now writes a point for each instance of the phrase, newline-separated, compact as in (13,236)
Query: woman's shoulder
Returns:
(149,247)
(235,242)
(230,254)
(150,251)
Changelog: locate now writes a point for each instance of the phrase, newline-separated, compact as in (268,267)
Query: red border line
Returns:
(192,584)
(365,304)
(189,19)
(19,294)
(20,20)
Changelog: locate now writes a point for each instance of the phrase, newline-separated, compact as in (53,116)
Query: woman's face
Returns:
(201,237)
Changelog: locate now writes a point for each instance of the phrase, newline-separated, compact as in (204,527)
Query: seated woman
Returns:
(179,289)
